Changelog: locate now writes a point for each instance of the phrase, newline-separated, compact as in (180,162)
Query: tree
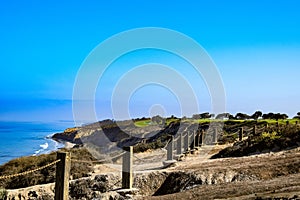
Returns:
(223,115)
(297,116)
(231,117)
(205,115)
(268,116)
(242,116)
(256,115)
(280,116)
(276,116)
(196,116)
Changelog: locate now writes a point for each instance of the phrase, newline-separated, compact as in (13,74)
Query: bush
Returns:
(142,147)
(47,175)
(284,138)
(3,194)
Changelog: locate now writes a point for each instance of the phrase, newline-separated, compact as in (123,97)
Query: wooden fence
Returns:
(185,143)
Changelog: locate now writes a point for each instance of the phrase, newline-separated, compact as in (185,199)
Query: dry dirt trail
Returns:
(152,160)
(196,176)
(264,176)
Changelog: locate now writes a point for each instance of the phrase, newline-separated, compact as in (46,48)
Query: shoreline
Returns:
(37,139)
(60,144)
(66,144)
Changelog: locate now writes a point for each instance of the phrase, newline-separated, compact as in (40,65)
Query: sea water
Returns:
(29,138)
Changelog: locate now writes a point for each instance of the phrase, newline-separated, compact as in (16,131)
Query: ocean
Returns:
(29,138)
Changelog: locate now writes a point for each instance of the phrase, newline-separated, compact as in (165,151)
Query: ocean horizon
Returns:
(20,138)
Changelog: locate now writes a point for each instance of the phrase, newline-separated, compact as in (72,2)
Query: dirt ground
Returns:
(267,176)
(264,176)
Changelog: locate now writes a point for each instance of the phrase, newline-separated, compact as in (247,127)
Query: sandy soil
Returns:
(275,174)
(278,174)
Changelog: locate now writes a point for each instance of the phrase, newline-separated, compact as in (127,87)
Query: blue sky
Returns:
(255,45)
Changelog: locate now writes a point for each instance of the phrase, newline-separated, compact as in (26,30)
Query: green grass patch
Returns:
(281,121)
(270,136)
(142,123)
(169,121)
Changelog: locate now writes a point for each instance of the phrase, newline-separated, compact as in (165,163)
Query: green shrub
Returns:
(277,139)
(47,175)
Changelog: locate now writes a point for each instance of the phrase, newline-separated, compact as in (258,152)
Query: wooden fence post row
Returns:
(179,145)
(62,176)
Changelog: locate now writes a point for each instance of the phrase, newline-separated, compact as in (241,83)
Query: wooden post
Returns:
(254,130)
(197,139)
(170,149)
(186,142)
(241,134)
(202,137)
(193,140)
(127,178)
(266,128)
(277,125)
(215,136)
(296,122)
(287,122)
(179,145)
(62,176)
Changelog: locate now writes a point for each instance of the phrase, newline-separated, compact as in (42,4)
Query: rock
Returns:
(111,196)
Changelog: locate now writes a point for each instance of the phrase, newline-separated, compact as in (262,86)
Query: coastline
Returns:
(21,139)
(66,144)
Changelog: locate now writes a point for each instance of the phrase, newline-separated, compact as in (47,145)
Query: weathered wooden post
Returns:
(193,142)
(277,125)
(197,141)
(241,134)
(179,145)
(266,127)
(170,147)
(193,145)
(199,138)
(215,136)
(127,178)
(62,176)
(254,130)
(186,142)
(202,137)
(287,122)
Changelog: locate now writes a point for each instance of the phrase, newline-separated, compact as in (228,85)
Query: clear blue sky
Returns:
(255,45)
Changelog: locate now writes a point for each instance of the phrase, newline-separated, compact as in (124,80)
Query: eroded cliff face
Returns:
(126,133)
(69,135)
(108,137)
(148,184)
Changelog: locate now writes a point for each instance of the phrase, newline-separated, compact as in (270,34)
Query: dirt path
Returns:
(153,160)
(262,176)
